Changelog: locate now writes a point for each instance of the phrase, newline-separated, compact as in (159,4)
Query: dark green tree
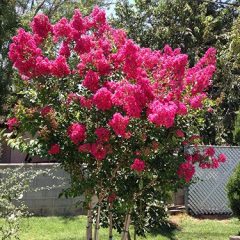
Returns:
(8,24)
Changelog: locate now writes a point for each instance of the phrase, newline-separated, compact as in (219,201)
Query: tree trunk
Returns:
(96,232)
(110,221)
(125,233)
(89,223)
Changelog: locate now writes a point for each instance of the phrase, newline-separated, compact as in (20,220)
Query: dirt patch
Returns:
(177,219)
(213,217)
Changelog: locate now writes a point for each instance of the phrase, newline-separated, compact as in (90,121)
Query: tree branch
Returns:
(39,7)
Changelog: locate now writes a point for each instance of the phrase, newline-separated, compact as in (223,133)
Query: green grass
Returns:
(59,228)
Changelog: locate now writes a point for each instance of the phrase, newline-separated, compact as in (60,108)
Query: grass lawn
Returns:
(189,228)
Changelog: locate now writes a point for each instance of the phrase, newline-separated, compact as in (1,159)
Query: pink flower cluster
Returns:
(119,125)
(102,99)
(159,84)
(41,25)
(76,132)
(46,110)
(54,149)
(103,134)
(138,165)
(162,114)
(116,79)
(12,123)
(205,159)
(100,148)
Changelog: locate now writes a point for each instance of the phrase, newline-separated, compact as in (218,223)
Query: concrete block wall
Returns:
(47,202)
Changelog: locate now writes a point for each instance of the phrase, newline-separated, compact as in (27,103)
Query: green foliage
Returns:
(233,191)
(193,26)
(55,9)
(237,130)
(8,24)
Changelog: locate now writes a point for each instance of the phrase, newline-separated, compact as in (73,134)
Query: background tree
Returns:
(8,24)
(193,26)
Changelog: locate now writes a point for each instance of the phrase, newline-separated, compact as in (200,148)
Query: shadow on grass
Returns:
(167,229)
(67,219)
(72,238)
(213,217)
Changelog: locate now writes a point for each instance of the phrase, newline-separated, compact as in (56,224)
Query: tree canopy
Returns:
(194,26)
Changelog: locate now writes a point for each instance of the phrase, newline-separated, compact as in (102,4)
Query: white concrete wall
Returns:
(47,202)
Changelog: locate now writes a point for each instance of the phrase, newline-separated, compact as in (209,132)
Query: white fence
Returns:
(208,195)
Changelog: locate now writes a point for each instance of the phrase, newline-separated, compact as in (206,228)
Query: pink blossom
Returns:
(180,133)
(162,114)
(85,148)
(62,29)
(24,52)
(196,157)
(119,125)
(215,163)
(210,110)
(138,165)
(46,110)
(43,66)
(76,132)
(186,170)
(12,123)
(84,44)
(222,158)
(98,151)
(72,97)
(112,197)
(102,99)
(54,149)
(196,101)
(41,25)
(65,50)
(209,151)
(91,81)
(78,22)
(182,109)
(131,98)
(103,134)
(84,102)
(60,67)
(98,16)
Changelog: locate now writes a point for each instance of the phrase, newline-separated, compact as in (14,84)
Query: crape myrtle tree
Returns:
(115,115)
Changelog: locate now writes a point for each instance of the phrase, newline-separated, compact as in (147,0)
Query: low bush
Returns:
(233,191)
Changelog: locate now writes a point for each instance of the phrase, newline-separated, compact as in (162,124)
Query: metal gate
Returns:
(208,195)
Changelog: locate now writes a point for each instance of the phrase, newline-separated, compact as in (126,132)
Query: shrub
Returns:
(14,183)
(233,192)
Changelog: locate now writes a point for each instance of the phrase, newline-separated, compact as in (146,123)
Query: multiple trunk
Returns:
(89,230)
(96,232)
(125,233)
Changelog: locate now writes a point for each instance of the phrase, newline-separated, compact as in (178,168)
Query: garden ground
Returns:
(187,228)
